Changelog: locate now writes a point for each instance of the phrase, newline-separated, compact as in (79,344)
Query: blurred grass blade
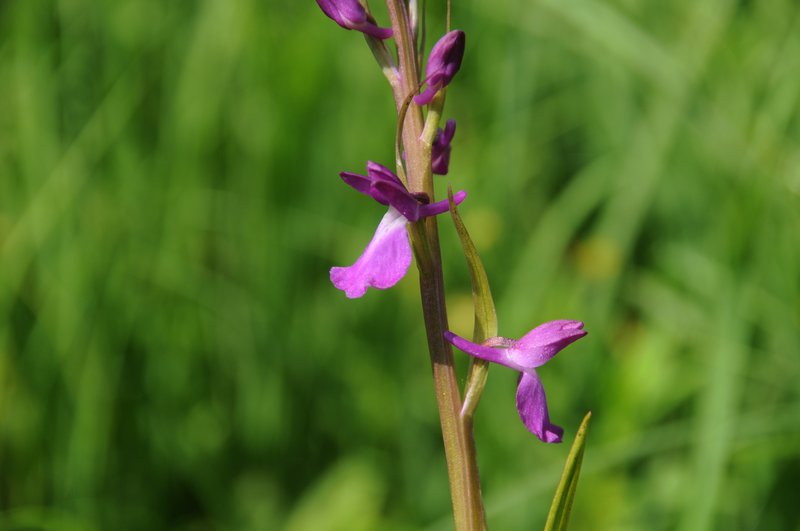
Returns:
(565,494)
(485,314)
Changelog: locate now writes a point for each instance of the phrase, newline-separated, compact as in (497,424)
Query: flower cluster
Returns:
(388,255)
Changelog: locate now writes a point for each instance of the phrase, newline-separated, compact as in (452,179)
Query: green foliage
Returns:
(172,355)
(485,324)
(558,517)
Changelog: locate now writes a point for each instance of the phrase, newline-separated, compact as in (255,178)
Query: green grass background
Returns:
(172,355)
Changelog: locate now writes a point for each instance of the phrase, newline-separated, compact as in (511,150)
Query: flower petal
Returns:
(479,351)
(360,183)
(449,132)
(350,14)
(427,95)
(383,186)
(398,197)
(532,407)
(440,207)
(346,13)
(384,262)
(374,31)
(379,172)
(543,342)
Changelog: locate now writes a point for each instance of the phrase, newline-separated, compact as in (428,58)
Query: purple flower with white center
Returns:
(525,354)
(440,150)
(443,63)
(350,14)
(387,257)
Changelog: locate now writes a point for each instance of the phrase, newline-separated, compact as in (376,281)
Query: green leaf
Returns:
(565,494)
(485,314)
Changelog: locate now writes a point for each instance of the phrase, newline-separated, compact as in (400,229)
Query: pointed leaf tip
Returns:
(558,517)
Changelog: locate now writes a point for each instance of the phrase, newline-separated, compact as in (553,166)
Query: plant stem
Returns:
(457,435)
(408,84)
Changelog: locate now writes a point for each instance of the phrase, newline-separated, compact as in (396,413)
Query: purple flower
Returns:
(443,63)
(440,156)
(350,14)
(525,354)
(387,257)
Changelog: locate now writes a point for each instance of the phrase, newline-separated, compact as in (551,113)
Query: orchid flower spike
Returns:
(440,150)
(350,14)
(443,63)
(525,354)
(388,256)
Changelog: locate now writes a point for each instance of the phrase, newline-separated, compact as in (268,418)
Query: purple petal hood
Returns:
(350,14)
(443,63)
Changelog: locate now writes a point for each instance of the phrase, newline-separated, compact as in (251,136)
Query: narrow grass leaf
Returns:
(565,493)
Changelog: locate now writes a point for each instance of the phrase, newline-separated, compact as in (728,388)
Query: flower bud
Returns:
(440,150)
(350,14)
(443,63)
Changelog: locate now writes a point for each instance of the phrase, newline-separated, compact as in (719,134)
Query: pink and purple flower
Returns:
(525,354)
(387,257)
